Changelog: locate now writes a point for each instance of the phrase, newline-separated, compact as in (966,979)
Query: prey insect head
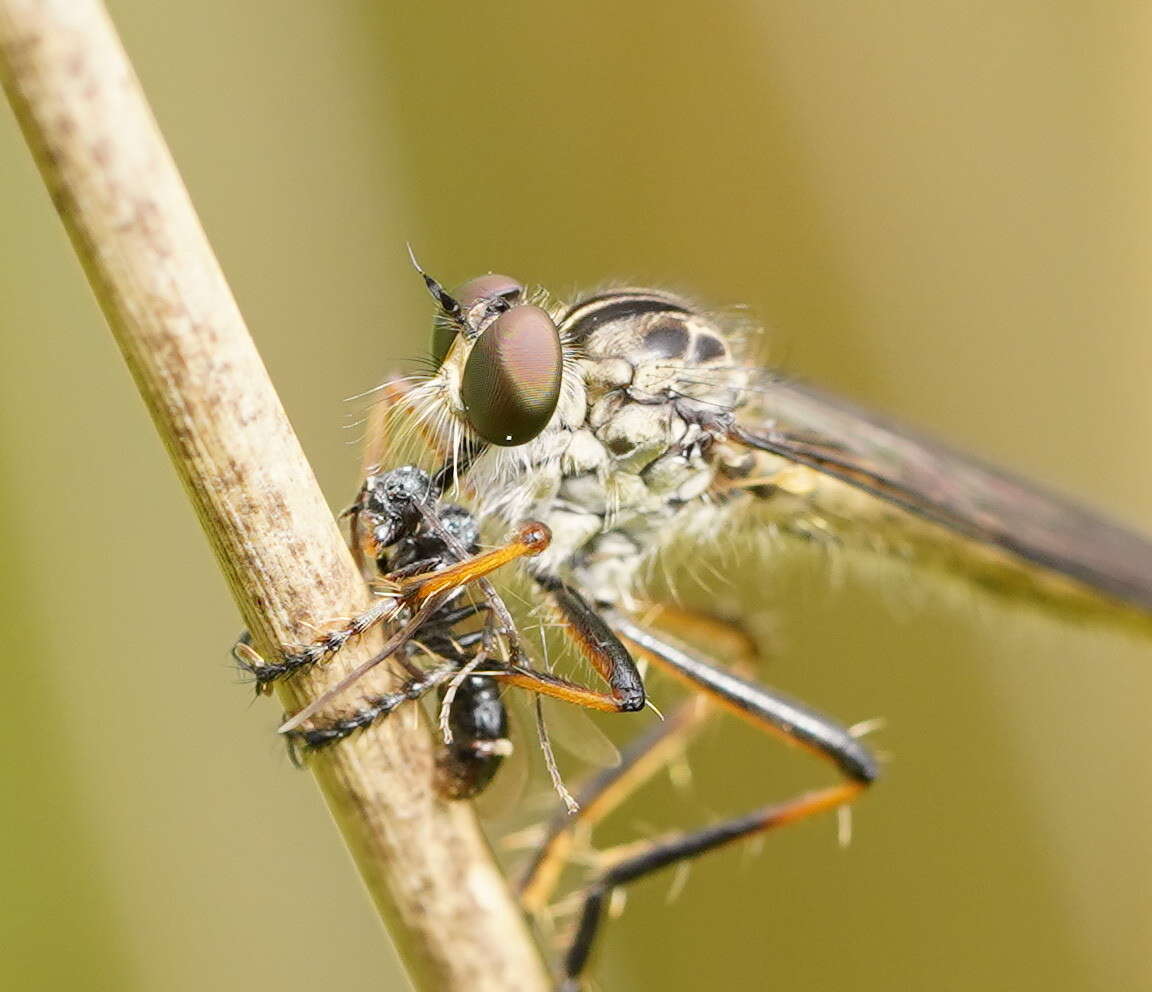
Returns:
(393,519)
(391,503)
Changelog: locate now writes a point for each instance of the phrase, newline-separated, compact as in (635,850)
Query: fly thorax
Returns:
(624,478)
(649,368)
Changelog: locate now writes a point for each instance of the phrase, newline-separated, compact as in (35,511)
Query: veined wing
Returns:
(955,491)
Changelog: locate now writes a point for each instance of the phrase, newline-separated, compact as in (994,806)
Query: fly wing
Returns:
(927,479)
(572,729)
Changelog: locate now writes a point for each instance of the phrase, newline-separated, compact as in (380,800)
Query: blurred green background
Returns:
(942,210)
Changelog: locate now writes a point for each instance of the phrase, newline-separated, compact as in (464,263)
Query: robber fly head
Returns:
(499,356)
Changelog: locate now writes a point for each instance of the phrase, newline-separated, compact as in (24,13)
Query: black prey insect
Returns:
(406,534)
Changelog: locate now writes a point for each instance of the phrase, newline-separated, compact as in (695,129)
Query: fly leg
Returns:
(654,750)
(264,672)
(600,646)
(764,709)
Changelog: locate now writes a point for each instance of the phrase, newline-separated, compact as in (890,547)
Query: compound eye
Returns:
(485,288)
(511,381)
(467,295)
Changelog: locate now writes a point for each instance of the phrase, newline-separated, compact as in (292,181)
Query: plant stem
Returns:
(136,233)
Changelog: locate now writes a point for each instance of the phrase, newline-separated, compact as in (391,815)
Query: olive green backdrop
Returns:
(940,209)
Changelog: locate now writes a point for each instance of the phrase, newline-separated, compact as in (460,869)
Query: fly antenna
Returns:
(444,300)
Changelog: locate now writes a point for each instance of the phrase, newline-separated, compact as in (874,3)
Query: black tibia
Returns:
(659,855)
(653,859)
(595,640)
(763,708)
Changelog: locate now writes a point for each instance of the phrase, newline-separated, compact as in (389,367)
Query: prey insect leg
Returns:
(425,594)
(426,553)
(437,640)
(371,710)
(414,592)
(266,672)
(763,708)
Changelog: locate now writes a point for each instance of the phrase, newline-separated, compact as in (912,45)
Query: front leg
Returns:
(594,639)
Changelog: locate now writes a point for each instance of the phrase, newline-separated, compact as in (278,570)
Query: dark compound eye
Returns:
(467,295)
(512,379)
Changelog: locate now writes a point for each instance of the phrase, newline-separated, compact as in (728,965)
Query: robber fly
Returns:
(632,417)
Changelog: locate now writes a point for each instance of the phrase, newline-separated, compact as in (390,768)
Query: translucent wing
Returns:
(927,479)
(574,731)
(571,729)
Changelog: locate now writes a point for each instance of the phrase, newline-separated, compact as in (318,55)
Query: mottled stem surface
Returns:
(133,226)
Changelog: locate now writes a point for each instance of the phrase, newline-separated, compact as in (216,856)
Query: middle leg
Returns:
(763,708)
(655,749)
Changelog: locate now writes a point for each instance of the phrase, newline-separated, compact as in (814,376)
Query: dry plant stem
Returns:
(162,291)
